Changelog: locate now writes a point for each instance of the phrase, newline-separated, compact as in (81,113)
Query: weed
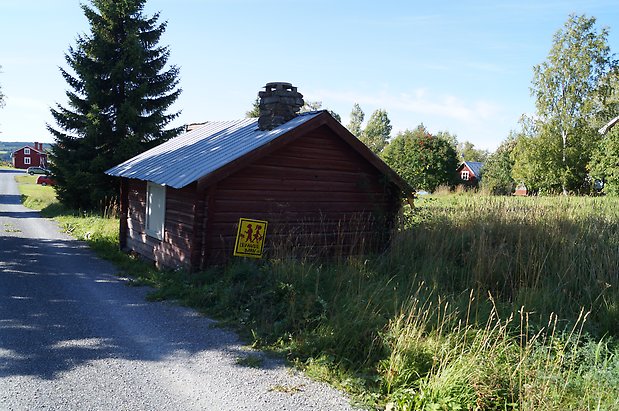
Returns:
(288,389)
(9,228)
(251,361)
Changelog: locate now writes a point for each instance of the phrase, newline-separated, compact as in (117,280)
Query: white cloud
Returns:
(23,119)
(484,123)
(420,102)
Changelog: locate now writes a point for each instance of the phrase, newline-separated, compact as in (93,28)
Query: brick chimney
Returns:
(279,103)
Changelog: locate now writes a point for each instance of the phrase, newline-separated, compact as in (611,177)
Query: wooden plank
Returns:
(284,183)
(271,170)
(179,231)
(163,253)
(177,216)
(318,206)
(314,151)
(298,196)
(311,164)
(196,239)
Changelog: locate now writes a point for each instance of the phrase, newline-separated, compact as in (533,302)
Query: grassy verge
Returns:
(480,303)
(35,196)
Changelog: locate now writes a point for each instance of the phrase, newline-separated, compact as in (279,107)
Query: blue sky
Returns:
(458,66)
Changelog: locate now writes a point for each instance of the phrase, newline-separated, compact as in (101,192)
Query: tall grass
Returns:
(479,303)
(548,254)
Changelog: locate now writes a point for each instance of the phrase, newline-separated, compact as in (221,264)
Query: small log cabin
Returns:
(322,191)
(28,156)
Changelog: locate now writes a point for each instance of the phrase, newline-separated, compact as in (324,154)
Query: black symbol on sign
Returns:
(249,234)
(257,236)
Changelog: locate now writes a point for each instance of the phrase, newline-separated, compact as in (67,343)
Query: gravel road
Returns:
(74,336)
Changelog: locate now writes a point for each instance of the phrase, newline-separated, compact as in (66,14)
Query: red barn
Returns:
(29,156)
(320,189)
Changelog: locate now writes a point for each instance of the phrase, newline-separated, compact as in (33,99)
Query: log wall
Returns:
(319,196)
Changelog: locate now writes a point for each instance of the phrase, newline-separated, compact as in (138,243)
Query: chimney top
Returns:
(279,103)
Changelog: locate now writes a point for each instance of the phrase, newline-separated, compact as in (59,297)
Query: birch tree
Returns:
(565,87)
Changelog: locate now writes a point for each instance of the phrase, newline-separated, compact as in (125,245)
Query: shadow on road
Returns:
(20,214)
(61,308)
(10,199)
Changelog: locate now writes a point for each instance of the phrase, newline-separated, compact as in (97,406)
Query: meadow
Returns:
(480,302)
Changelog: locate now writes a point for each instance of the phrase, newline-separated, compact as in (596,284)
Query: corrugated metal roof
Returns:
(475,167)
(197,153)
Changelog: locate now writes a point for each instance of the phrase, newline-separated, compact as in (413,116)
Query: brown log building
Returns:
(322,191)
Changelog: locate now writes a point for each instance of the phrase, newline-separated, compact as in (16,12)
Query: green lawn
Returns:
(35,196)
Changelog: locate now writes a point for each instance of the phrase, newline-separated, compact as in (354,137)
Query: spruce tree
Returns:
(120,92)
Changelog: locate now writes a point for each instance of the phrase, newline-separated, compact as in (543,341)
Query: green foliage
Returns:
(119,93)
(309,106)
(565,88)
(255,109)
(423,160)
(377,131)
(356,120)
(498,178)
(604,164)
(468,152)
(534,158)
(450,138)
(335,116)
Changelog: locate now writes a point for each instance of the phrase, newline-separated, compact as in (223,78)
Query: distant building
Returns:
(521,190)
(469,173)
(29,156)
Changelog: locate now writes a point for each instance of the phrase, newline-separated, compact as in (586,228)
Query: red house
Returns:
(469,173)
(321,190)
(29,156)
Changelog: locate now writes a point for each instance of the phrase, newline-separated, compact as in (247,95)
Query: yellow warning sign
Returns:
(250,238)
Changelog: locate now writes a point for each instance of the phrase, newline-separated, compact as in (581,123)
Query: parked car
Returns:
(37,170)
(46,180)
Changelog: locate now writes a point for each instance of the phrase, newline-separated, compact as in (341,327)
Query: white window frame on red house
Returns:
(26,151)
(27,161)
(155,210)
(465,175)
